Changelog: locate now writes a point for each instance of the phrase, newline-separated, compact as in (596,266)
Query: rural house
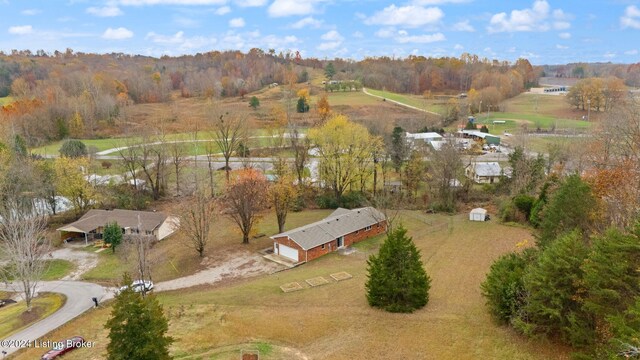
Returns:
(342,228)
(484,172)
(91,225)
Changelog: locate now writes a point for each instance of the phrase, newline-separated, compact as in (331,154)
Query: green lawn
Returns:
(14,317)
(57,269)
(316,322)
(412,100)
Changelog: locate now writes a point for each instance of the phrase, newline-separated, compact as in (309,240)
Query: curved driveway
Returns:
(78,295)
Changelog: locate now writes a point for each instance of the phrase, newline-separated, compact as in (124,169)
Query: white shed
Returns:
(478,214)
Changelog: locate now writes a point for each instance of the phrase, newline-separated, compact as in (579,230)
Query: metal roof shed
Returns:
(478,214)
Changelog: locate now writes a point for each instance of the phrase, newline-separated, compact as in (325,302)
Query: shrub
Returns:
(73,149)
(524,203)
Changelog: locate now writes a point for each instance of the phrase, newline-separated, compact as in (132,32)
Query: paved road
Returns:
(78,295)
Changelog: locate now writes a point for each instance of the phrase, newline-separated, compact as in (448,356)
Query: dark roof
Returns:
(341,222)
(95,218)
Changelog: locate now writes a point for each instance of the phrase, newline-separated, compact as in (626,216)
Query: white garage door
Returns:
(289,252)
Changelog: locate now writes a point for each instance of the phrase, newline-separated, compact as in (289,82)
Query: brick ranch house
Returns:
(92,224)
(342,228)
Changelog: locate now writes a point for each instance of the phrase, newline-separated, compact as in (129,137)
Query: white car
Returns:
(138,286)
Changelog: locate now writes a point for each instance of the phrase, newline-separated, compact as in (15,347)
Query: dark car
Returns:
(63,347)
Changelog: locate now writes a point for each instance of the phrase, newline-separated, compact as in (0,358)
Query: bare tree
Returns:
(177,155)
(230,132)
(387,203)
(300,145)
(282,195)
(244,199)
(152,160)
(138,251)
(445,167)
(129,155)
(23,246)
(195,220)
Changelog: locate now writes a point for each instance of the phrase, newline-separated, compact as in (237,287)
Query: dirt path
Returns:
(84,261)
(241,264)
(400,103)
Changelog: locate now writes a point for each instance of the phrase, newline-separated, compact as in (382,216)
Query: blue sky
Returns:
(544,31)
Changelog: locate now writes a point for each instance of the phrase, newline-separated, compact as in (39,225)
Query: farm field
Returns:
(334,321)
(412,100)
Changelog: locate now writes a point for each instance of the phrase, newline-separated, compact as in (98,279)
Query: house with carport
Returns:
(91,225)
(341,229)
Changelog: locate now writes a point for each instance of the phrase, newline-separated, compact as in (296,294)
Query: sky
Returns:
(543,31)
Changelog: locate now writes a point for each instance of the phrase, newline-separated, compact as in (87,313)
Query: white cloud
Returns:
(537,18)
(631,52)
(170,2)
(31,12)
(107,11)
(237,22)
(420,39)
(250,3)
(561,47)
(332,35)
(332,40)
(280,8)
(21,30)
(223,10)
(463,26)
(565,35)
(357,35)
(609,55)
(308,21)
(179,42)
(406,16)
(386,33)
(631,18)
(117,34)
(458,47)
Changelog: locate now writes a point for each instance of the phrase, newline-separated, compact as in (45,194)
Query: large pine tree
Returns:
(137,328)
(397,280)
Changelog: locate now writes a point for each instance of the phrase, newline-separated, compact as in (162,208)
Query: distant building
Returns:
(475,134)
(484,172)
(429,138)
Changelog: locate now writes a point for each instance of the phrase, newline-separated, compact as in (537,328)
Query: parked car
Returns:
(138,286)
(63,347)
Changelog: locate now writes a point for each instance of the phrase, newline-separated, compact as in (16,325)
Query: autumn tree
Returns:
(245,197)
(72,184)
(342,146)
(196,218)
(282,195)
(324,109)
(137,327)
(414,172)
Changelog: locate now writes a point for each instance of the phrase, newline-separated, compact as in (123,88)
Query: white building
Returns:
(431,138)
(484,172)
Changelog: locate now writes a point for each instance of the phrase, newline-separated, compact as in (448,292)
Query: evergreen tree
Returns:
(137,328)
(19,146)
(254,102)
(113,235)
(329,71)
(399,148)
(484,129)
(504,286)
(302,106)
(552,283)
(397,280)
(73,149)
(571,207)
(470,126)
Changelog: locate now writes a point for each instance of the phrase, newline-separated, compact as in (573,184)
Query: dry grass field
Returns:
(334,321)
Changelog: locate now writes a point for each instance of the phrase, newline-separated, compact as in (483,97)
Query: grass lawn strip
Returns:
(14,317)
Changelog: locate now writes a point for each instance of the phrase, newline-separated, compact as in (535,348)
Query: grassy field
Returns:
(58,269)
(14,317)
(334,321)
(412,100)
